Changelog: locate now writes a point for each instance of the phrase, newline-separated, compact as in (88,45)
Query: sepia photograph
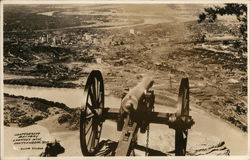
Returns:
(114,78)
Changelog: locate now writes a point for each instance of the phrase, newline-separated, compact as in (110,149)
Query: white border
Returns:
(248,74)
(1,80)
(122,2)
(245,157)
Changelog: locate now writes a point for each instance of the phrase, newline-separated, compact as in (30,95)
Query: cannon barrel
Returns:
(131,100)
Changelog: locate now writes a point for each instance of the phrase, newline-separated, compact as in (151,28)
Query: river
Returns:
(207,129)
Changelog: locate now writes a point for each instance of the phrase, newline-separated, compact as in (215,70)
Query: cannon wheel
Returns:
(182,110)
(90,120)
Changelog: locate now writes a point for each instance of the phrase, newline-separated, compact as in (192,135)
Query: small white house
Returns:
(132,31)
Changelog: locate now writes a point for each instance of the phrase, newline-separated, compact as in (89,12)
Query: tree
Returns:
(239,10)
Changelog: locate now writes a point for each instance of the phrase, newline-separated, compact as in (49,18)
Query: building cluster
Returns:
(67,38)
(56,38)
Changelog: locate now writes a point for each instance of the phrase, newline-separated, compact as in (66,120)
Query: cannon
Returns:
(135,114)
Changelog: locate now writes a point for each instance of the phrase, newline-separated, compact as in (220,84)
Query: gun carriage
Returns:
(135,114)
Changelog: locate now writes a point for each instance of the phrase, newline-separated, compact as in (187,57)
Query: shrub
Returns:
(64,118)
(37,118)
(25,121)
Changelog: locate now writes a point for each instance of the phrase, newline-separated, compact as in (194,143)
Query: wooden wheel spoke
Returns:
(91,115)
(88,106)
(98,91)
(92,98)
(92,145)
(90,137)
(98,103)
(92,110)
(99,124)
(93,87)
(90,126)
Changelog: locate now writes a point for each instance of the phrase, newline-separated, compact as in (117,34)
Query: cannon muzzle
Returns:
(130,101)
